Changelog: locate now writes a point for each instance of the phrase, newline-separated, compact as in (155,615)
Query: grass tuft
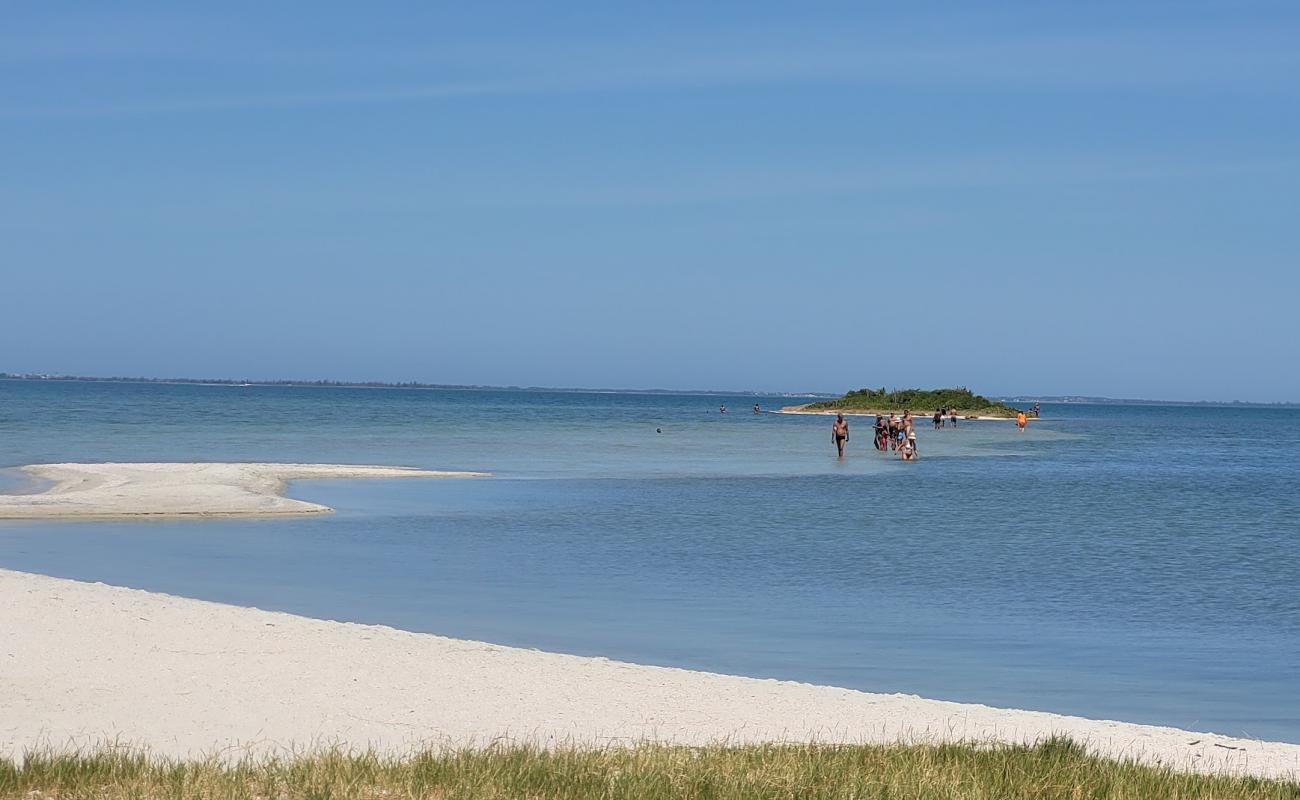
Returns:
(1055,768)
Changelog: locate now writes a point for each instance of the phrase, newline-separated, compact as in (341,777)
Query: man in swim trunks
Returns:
(840,433)
(953,418)
(938,419)
(882,437)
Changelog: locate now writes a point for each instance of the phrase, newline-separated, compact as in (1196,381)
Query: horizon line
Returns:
(376,384)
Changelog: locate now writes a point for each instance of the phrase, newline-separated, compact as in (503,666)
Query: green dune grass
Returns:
(1058,768)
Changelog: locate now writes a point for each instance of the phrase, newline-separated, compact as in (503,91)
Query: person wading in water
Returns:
(840,433)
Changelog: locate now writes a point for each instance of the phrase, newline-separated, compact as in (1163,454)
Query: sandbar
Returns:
(182,489)
(82,664)
(918,414)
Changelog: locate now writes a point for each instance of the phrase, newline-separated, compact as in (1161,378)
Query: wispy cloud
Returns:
(261,101)
(762,182)
(1143,61)
(689,184)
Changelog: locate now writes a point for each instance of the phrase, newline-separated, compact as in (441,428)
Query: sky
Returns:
(1094,198)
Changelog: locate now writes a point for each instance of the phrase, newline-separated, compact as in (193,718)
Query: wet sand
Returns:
(182,489)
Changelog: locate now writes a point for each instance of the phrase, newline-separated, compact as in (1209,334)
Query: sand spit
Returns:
(918,414)
(82,664)
(180,490)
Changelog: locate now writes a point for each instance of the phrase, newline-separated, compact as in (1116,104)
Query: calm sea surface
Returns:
(1127,562)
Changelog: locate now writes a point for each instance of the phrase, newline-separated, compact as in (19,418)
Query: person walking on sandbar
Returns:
(840,433)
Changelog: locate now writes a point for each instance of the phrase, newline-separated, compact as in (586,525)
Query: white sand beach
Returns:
(84,664)
(183,489)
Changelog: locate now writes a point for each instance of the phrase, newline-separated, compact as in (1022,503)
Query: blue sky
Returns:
(1088,198)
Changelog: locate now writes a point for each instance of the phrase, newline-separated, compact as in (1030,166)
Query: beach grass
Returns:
(1058,768)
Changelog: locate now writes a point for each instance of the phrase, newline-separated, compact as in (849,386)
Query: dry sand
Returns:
(178,490)
(82,664)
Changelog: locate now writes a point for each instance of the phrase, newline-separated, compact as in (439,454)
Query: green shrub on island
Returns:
(1056,768)
(960,400)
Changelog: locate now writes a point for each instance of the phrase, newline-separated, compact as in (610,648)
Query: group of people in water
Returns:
(893,432)
(898,434)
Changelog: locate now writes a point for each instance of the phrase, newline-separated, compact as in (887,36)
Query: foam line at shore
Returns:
(183,489)
(85,663)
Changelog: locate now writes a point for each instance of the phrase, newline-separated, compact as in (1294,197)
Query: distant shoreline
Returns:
(465,387)
(452,387)
(1114,401)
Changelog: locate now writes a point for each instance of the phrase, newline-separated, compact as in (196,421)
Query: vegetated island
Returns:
(921,402)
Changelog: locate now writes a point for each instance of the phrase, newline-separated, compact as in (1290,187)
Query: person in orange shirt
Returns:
(1021,421)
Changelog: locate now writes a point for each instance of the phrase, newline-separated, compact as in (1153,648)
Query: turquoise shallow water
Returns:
(1137,563)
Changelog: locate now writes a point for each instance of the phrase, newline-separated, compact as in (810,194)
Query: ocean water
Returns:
(1124,562)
